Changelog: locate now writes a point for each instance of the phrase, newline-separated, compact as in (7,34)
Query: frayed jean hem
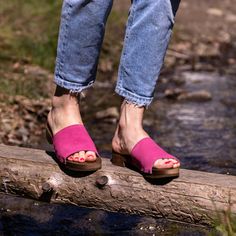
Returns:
(72,87)
(133,98)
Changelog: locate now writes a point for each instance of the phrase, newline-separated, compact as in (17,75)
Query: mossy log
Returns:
(194,197)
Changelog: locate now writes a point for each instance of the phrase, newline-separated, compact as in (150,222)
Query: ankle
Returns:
(131,116)
(63,98)
(64,101)
(126,136)
(65,110)
(129,126)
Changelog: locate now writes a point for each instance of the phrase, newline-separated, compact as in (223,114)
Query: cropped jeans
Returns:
(148,32)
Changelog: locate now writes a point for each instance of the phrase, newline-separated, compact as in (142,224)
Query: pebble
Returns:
(173,93)
(230,18)
(196,96)
(178,80)
(111,112)
(151,227)
(215,12)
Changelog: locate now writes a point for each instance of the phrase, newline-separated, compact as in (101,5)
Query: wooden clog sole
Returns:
(157,173)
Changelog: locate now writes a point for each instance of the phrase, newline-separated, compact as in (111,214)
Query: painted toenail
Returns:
(167,162)
(81,159)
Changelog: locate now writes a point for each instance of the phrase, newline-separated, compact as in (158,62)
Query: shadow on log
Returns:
(192,198)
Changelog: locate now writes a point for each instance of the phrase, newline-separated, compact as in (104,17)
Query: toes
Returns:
(166,163)
(83,156)
(70,158)
(77,157)
(90,156)
(163,163)
(176,165)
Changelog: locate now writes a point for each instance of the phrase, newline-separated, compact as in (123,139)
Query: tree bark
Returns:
(194,197)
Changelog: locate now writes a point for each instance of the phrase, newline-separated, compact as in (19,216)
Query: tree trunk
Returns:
(194,197)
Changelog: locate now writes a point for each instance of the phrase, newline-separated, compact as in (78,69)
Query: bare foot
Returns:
(65,111)
(130,130)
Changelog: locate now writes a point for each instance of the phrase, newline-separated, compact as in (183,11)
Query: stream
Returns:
(24,217)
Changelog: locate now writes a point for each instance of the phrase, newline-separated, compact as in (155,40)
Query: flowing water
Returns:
(24,217)
(202,134)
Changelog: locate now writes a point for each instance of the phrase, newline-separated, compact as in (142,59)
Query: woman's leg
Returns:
(148,33)
(80,39)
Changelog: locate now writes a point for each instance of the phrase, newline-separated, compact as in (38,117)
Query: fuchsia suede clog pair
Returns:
(75,138)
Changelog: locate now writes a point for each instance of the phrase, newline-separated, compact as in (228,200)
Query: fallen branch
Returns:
(192,198)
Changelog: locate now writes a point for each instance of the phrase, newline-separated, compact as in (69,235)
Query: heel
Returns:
(118,159)
(48,134)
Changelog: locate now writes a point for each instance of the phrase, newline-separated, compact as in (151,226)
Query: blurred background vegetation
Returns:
(22,38)
(24,41)
(29,31)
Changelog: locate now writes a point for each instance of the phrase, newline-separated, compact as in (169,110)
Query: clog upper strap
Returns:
(146,152)
(72,139)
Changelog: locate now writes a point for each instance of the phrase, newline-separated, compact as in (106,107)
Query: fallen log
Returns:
(194,197)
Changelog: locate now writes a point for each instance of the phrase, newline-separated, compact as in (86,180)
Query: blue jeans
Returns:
(148,32)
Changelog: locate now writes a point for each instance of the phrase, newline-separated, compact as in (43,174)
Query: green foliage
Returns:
(29,31)
(226,222)
(227,226)
(28,35)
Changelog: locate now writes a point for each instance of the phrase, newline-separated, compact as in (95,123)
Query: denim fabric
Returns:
(148,32)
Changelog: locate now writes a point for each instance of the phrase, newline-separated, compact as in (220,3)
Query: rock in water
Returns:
(197,96)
